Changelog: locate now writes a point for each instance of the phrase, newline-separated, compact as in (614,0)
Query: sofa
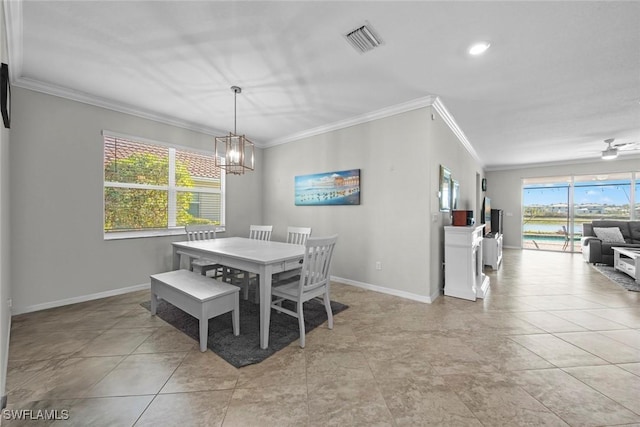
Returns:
(599,237)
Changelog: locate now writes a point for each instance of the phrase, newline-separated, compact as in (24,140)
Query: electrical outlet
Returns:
(9,302)
(378,265)
(434,217)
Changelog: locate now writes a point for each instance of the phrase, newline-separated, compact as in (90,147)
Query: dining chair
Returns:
(242,278)
(314,282)
(295,236)
(298,235)
(260,232)
(197,232)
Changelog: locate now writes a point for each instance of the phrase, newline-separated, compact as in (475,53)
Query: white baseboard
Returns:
(388,291)
(74,300)
(84,298)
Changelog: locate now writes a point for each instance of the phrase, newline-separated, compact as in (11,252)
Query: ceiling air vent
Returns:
(363,39)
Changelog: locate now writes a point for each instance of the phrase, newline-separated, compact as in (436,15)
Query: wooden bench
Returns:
(200,296)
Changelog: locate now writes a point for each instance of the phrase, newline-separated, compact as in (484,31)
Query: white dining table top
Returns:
(260,251)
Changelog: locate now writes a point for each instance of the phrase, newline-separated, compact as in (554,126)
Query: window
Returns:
(151,188)
(636,194)
(546,219)
(606,196)
(554,208)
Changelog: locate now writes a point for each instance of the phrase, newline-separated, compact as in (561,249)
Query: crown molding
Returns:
(582,161)
(78,96)
(364,118)
(13,22)
(453,125)
(85,98)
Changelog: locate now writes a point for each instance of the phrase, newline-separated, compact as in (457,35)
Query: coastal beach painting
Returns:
(330,188)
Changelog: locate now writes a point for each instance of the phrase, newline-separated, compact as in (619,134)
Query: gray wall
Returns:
(56,173)
(399,158)
(504,187)
(446,149)
(59,254)
(5,262)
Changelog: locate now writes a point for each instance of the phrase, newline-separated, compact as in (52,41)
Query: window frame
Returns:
(171,188)
(573,182)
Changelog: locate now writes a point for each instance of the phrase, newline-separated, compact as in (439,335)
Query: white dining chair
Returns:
(197,232)
(243,278)
(295,236)
(260,232)
(298,235)
(314,282)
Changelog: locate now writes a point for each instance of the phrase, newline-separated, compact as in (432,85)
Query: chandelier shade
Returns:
(234,153)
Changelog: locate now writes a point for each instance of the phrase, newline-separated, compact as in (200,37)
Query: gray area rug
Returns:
(618,277)
(245,349)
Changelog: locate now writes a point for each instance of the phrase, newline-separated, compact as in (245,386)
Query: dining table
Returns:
(261,257)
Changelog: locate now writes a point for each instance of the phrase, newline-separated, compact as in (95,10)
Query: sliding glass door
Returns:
(636,193)
(545,214)
(554,208)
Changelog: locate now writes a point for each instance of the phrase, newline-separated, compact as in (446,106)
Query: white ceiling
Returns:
(559,78)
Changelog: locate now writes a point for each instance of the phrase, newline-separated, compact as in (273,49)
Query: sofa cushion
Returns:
(622,225)
(609,234)
(634,228)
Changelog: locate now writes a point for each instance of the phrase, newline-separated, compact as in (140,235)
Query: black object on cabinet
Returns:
(496,221)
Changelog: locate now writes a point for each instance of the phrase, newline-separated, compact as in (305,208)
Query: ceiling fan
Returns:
(611,152)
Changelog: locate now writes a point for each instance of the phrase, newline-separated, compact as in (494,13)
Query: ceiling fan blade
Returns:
(627,146)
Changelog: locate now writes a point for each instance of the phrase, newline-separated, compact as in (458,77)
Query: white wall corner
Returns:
(5,229)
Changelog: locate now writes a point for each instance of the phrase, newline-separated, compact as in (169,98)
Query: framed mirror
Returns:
(445,189)
(455,194)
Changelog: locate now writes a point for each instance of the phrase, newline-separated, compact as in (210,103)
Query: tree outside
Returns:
(133,208)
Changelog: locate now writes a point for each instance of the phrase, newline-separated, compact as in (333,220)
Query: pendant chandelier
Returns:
(234,153)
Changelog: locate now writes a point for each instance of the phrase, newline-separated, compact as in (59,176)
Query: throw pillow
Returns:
(609,234)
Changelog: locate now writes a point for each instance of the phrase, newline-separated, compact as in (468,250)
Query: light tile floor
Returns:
(554,343)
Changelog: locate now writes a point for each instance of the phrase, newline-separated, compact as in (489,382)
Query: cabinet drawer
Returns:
(292,265)
(628,267)
(625,266)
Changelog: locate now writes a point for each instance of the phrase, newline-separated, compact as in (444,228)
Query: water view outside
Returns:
(554,209)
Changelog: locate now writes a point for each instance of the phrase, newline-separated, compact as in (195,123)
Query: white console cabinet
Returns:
(463,263)
(492,251)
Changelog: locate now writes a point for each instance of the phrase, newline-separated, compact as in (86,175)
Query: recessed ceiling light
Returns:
(479,48)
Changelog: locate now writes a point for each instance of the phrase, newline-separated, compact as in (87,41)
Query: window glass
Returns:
(152,186)
(546,221)
(602,197)
(636,210)
(134,209)
(555,208)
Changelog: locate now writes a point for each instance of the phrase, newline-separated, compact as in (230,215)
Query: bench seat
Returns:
(200,296)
